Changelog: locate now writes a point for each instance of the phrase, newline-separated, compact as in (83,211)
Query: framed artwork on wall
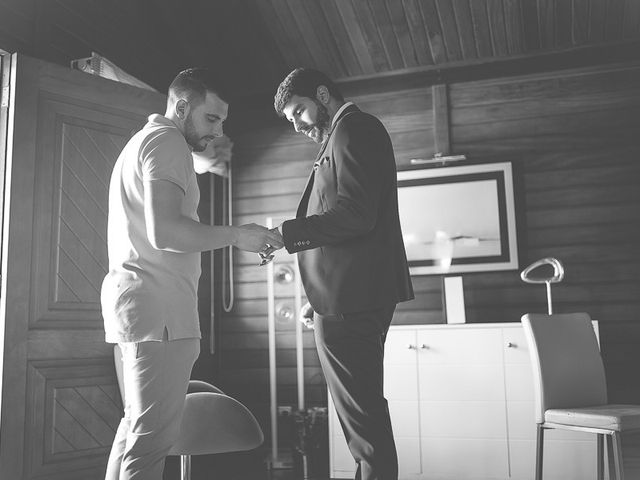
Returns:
(458,219)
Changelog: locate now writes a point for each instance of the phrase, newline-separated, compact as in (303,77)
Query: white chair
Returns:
(570,386)
(212,422)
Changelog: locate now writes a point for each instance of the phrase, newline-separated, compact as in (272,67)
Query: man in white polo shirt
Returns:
(149,295)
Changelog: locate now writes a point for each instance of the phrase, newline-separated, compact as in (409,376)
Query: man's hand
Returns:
(256,238)
(215,158)
(278,230)
(306,315)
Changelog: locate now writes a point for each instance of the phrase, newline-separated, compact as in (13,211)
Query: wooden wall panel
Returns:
(572,138)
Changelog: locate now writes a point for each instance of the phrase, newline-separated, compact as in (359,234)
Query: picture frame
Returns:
(458,219)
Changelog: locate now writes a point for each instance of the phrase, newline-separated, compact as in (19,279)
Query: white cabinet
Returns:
(461,403)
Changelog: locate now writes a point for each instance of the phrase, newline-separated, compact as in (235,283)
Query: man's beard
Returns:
(322,124)
(197,143)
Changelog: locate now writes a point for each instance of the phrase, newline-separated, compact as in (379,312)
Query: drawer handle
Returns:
(424,346)
(511,345)
(411,347)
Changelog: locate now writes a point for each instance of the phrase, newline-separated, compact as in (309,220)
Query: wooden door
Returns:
(60,401)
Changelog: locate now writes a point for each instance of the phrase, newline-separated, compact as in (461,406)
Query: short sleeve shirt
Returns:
(147,290)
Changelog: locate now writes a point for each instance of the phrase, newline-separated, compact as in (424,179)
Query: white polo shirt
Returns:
(147,290)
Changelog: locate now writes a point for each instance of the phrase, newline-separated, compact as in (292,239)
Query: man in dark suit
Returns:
(352,258)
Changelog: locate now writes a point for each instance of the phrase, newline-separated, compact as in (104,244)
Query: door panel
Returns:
(60,400)
(72,190)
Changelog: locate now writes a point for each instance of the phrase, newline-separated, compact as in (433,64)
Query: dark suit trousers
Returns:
(351,351)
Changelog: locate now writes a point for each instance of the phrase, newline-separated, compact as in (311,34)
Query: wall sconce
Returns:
(284,312)
(284,274)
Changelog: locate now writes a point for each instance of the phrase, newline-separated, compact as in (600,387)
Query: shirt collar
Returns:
(339,112)
(158,119)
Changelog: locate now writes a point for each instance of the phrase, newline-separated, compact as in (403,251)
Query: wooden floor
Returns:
(291,475)
(253,466)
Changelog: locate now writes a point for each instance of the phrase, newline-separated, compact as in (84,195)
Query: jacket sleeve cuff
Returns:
(286,238)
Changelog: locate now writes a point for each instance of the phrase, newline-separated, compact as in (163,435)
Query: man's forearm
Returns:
(185,235)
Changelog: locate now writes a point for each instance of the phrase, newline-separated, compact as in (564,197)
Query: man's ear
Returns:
(182,108)
(323,95)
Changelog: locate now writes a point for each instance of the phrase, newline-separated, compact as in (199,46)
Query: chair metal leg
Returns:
(600,456)
(617,454)
(610,457)
(185,467)
(539,449)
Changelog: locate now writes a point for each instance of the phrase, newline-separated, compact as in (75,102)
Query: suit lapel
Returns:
(321,151)
(304,200)
(344,113)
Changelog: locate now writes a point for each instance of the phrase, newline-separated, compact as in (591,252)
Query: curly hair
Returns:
(193,84)
(303,82)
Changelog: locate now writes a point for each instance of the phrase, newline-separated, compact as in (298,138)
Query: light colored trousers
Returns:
(156,376)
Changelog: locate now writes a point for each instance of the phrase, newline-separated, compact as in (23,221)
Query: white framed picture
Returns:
(458,219)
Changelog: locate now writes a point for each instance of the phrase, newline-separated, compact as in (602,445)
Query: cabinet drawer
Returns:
(465,458)
(400,347)
(404,418)
(401,382)
(473,382)
(519,381)
(516,351)
(460,419)
(460,346)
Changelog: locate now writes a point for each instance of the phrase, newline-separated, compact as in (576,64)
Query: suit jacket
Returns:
(347,229)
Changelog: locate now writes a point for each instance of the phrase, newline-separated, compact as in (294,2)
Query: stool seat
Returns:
(216,423)
(608,417)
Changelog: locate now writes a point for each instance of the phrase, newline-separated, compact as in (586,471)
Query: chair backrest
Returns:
(567,367)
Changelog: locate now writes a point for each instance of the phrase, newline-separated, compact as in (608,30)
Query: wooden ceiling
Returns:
(254,43)
(348,38)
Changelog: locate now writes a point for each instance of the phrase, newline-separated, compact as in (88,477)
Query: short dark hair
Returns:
(303,82)
(194,83)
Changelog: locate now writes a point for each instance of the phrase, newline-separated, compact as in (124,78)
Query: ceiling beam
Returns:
(495,68)
(470,71)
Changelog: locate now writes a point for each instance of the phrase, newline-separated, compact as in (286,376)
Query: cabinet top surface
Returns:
(463,326)
(451,326)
